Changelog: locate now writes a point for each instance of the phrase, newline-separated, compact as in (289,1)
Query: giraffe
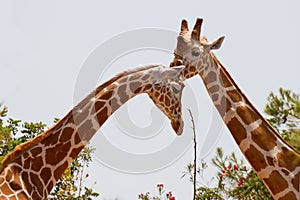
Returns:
(276,163)
(33,168)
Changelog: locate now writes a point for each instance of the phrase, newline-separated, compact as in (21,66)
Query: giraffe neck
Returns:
(32,170)
(275,162)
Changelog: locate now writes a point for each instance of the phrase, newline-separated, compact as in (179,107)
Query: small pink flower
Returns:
(229,166)
(221,176)
(240,183)
(141,195)
(235,167)
(223,171)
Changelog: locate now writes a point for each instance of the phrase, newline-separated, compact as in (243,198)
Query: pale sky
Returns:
(52,53)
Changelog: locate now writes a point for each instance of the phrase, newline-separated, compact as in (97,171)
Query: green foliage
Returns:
(234,180)
(237,181)
(284,112)
(32,129)
(71,185)
(13,132)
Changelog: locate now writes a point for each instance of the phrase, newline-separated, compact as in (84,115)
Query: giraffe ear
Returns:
(176,70)
(215,44)
(179,68)
(171,72)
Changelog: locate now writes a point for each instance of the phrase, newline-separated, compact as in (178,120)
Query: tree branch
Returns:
(195,154)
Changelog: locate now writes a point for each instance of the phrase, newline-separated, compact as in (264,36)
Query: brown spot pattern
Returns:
(288,196)
(213,89)
(167,102)
(49,187)
(46,174)
(99,105)
(145,77)
(224,107)
(238,131)
(263,137)
(85,126)
(215,97)
(134,76)
(257,161)
(53,156)
(25,178)
(26,164)
(9,175)
(75,152)
(224,80)
(102,116)
(59,170)
(211,77)
(80,117)
(51,140)
(77,138)
(280,185)
(134,85)
(286,172)
(6,190)
(35,196)
(22,195)
(147,87)
(15,185)
(36,151)
(234,96)
(296,181)
(114,104)
(248,115)
(38,163)
(162,98)
(66,134)
(36,181)
(107,95)
(270,161)
(192,69)
(288,159)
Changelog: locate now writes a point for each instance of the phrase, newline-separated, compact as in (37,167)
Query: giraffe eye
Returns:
(195,51)
(175,90)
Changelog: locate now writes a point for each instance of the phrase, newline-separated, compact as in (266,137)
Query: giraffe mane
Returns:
(249,103)
(31,143)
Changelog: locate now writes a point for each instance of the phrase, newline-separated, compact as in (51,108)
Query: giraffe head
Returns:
(192,50)
(166,91)
(166,96)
